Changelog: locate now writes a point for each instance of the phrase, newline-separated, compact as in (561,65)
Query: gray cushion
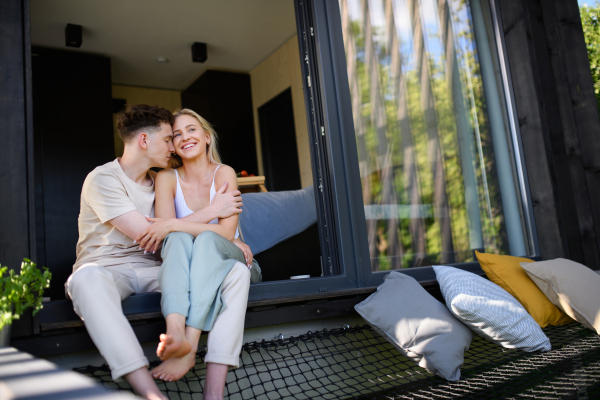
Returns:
(271,217)
(490,310)
(418,325)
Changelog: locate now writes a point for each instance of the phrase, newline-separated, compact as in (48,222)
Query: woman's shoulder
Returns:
(225,173)
(166,175)
(224,169)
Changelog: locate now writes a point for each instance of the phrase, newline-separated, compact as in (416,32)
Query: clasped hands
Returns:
(224,205)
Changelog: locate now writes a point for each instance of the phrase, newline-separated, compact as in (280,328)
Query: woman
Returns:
(195,260)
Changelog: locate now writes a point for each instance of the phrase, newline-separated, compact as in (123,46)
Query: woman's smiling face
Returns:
(189,138)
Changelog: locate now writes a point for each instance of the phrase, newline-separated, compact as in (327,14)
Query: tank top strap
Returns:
(215,174)
(213,190)
(178,185)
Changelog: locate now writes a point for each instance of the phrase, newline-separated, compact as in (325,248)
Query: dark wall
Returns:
(73,134)
(15,135)
(305,262)
(225,100)
(559,124)
(278,143)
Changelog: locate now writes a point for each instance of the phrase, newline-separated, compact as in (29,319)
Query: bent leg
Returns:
(174,281)
(97,293)
(212,259)
(174,274)
(225,339)
(174,343)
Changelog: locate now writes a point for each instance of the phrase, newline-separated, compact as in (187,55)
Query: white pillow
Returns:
(489,310)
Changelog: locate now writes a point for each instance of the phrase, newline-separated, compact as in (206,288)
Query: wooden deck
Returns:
(23,376)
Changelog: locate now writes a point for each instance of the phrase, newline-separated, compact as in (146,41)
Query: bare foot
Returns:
(173,345)
(174,368)
(143,384)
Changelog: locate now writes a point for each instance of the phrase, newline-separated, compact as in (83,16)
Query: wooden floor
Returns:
(23,376)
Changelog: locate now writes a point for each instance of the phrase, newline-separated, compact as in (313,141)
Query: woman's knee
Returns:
(179,236)
(207,238)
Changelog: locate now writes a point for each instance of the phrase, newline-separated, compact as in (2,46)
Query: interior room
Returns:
(89,59)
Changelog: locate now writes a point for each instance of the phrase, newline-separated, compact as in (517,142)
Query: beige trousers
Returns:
(97,293)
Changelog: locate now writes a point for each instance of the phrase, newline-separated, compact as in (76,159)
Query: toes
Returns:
(164,338)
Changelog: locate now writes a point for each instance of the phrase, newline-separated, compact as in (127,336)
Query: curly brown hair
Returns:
(141,116)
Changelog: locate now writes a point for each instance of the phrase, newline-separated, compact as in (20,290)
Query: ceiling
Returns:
(135,33)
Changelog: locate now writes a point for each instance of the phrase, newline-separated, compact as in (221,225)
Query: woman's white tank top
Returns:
(181,207)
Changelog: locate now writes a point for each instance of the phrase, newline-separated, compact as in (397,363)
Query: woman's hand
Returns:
(246,250)
(151,238)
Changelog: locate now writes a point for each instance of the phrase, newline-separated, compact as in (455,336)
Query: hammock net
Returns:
(357,363)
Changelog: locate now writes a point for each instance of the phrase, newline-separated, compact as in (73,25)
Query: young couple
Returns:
(129,212)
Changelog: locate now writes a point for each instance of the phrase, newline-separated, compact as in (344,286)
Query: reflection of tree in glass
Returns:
(410,108)
(494,231)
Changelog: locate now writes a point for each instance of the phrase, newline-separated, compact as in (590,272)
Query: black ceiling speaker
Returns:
(73,35)
(199,52)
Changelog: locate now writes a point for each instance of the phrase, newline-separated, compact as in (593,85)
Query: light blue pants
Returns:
(192,273)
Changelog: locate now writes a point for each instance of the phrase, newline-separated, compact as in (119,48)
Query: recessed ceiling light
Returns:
(162,59)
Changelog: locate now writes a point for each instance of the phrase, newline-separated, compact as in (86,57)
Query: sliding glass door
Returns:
(433,132)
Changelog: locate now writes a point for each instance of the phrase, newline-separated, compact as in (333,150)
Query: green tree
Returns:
(590,19)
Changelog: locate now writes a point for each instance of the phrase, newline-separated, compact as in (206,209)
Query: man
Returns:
(116,198)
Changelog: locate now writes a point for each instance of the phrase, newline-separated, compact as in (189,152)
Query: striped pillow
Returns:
(489,310)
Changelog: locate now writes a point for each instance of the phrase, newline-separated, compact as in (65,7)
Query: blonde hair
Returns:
(211,148)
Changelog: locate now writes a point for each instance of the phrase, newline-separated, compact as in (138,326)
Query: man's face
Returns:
(160,146)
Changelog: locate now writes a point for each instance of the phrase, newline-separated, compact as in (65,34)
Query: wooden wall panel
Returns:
(559,124)
(72,131)
(14,187)
(584,119)
(568,79)
(278,72)
(17,194)
(553,132)
(532,124)
(169,99)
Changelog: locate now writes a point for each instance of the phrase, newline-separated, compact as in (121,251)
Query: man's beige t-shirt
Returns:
(106,194)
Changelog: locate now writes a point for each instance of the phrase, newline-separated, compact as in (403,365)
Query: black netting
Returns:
(358,363)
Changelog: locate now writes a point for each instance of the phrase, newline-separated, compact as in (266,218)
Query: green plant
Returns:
(21,291)
(590,21)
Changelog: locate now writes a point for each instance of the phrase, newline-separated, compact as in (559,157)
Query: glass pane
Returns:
(436,160)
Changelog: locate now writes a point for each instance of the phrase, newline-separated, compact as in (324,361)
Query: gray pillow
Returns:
(271,217)
(490,310)
(418,325)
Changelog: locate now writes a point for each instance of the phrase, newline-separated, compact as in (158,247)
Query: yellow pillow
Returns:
(506,272)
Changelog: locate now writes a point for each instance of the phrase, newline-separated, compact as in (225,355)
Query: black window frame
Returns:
(333,213)
(334,155)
